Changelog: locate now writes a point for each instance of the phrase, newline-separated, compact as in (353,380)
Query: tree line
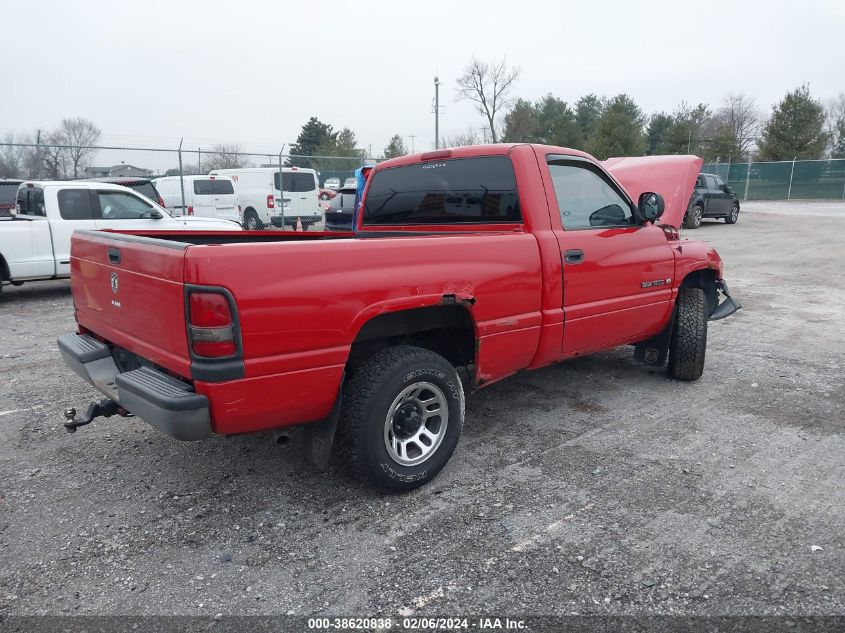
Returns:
(799,126)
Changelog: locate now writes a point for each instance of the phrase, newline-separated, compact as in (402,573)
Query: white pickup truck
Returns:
(35,241)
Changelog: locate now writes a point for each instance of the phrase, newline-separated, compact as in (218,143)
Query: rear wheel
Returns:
(694,217)
(251,220)
(733,216)
(689,335)
(403,409)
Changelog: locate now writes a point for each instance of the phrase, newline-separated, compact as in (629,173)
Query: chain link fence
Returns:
(40,161)
(784,180)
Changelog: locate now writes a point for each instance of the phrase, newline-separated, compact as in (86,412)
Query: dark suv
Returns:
(712,198)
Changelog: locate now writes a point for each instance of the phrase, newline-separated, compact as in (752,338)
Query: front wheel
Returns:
(403,410)
(689,335)
(733,216)
(694,217)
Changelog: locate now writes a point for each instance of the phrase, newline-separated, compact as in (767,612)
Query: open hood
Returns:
(673,177)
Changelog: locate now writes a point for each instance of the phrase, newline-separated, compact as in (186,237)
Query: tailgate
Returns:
(128,290)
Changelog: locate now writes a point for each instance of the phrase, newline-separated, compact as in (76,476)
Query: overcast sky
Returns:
(253,72)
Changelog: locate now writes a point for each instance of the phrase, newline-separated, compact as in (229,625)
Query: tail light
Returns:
(160,201)
(270,203)
(190,210)
(210,325)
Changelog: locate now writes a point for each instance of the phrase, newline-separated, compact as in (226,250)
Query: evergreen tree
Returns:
(657,132)
(796,128)
(314,135)
(619,131)
(588,110)
(556,123)
(521,123)
(395,148)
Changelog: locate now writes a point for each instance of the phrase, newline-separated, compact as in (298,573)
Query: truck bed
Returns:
(301,300)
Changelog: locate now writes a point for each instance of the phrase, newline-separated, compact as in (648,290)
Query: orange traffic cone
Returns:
(298,224)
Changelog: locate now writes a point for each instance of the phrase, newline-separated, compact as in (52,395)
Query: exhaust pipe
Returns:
(281,437)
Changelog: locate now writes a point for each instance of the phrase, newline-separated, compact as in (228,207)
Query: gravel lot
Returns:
(596,486)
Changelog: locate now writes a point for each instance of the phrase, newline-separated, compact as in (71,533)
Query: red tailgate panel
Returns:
(138,303)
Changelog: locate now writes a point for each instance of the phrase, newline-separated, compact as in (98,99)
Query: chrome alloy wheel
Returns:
(416,424)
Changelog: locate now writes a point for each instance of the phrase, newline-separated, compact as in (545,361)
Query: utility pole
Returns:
(436,113)
(412,137)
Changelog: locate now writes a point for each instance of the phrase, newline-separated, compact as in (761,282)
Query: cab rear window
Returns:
(213,187)
(456,191)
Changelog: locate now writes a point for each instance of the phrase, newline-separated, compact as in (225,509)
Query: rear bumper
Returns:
(162,401)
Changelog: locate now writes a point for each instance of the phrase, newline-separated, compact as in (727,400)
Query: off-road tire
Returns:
(368,393)
(694,217)
(250,214)
(733,216)
(689,335)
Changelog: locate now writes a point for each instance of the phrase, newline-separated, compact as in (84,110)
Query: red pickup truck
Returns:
(466,266)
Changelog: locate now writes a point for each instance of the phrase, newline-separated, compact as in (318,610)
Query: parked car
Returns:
(8,192)
(327,194)
(341,210)
(35,244)
(350,182)
(332,183)
(712,198)
(144,186)
(262,201)
(367,334)
(205,196)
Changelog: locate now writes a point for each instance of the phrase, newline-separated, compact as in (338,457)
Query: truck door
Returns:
(70,211)
(720,196)
(115,209)
(617,275)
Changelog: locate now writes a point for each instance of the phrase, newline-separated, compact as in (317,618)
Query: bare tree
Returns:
(224,156)
(835,122)
(18,156)
(79,136)
(54,156)
(470,137)
(741,117)
(488,86)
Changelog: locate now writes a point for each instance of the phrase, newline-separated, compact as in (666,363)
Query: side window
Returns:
(700,182)
(586,200)
(117,205)
(75,204)
(720,184)
(30,201)
(711,183)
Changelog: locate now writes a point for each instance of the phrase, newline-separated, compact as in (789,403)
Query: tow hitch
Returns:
(104,408)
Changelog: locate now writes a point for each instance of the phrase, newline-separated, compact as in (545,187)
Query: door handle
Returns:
(574,256)
(114,255)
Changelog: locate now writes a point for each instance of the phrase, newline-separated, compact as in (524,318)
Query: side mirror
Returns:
(155,215)
(650,206)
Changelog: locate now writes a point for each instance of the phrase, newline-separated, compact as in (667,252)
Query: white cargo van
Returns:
(205,196)
(261,199)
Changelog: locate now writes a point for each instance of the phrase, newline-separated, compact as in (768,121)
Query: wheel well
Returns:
(5,273)
(705,279)
(445,329)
